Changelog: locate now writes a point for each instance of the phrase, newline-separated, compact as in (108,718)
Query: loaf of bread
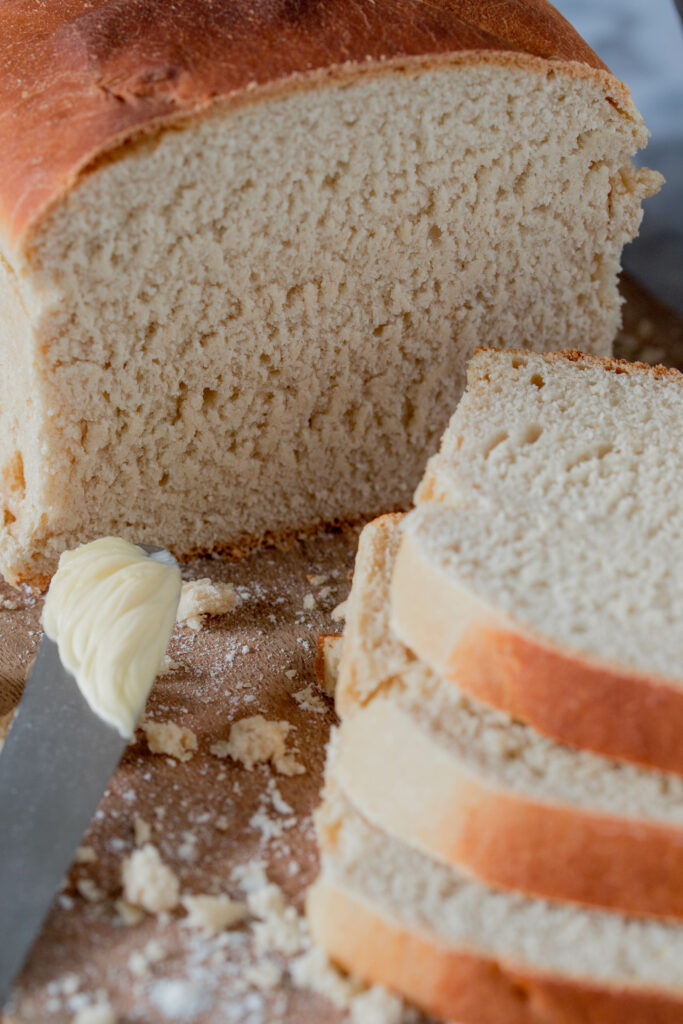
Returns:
(543,569)
(466,952)
(247,250)
(477,790)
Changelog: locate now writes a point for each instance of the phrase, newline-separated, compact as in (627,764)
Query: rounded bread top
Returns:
(80,78)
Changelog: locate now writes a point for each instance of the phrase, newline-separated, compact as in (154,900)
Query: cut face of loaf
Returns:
(466,952)
(547,552)
(478,790)
(259,319)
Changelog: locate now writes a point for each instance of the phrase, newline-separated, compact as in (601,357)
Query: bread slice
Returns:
(468,953)
(481,791)
(553,587)
(247,249)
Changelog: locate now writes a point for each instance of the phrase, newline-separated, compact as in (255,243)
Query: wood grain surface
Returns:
(210,814)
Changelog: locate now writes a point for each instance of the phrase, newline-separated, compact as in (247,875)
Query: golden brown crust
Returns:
(502,836)
(81,77)
(609,363)
(576,700)
(457,985)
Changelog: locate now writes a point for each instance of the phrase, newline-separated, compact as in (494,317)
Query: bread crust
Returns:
(80,80)
(455,984)
(405,783)
(572,697)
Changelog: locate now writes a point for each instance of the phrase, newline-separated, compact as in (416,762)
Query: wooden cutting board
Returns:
(209,815)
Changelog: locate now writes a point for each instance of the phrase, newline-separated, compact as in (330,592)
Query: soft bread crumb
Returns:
(140,961)
(128,914)
(309,603)
(8,605)
(89,891)
(148,882)
(213,914)
(309,700)
(143,831)
(339,612)
(84,855)
(330,646)
(279,928)
(98,1013)
(169,664)
(253,740)
(201,598)
(168,738)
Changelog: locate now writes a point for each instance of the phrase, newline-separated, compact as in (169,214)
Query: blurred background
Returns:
(642,42)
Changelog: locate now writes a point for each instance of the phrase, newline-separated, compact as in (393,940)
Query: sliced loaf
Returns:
(465,952)
(474,788)
(552,585)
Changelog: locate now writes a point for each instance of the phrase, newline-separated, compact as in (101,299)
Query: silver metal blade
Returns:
(55,765)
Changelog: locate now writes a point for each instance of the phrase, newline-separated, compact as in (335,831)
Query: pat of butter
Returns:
(111,609)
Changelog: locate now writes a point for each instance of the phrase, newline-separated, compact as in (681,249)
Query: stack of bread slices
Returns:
(502,827)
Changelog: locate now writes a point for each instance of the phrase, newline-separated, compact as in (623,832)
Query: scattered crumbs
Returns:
(89,891)
(291,673)
(179,998)
(148,882)
(201,598)
(85,855)
(8,605)
(96,1013)
(339,612)
(264,975)
(366,1005)
(221,823)
(142,830)
(254,740)
(279,928)
(324,593)
(213,914)
(309,603)
(168,665)
(128,914)
(309,700)
(168,738)
(317,581)
(140,961)
(188,848)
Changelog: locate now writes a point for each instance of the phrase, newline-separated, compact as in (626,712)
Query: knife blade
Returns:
(55,766)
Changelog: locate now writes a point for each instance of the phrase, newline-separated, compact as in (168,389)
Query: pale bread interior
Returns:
(261,319)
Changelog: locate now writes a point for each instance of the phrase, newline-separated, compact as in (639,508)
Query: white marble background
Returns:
(642,42)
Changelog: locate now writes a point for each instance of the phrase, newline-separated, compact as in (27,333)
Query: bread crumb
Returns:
(279,929)
(8,605)
(97,1013)
(179,998)
(253,740)
(84,855)
(330,647)
(89,891)
(291,673)
(264,975)
(309,602)
(148,882)
(221,823)
(168,665)
(309,700)
(339,612)
(140,961)
(168,738)
(374,1005)
(128,914)
(213,914)
(143,831)
(317,581)
(201,598)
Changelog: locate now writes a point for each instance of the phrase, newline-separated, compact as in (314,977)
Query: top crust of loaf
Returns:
(81,78)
